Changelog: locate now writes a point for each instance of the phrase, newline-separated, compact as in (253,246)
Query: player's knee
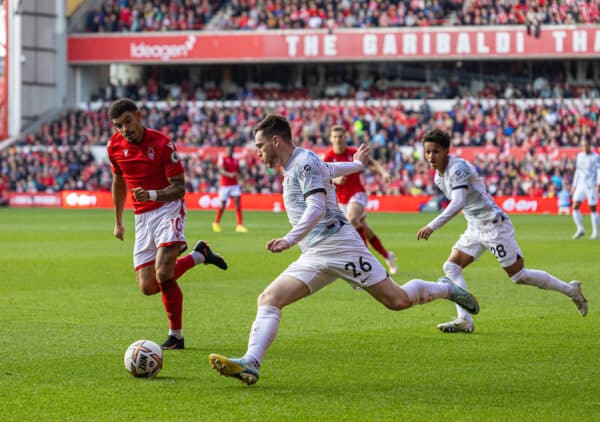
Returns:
(148,290)
(162,275)
(265,298)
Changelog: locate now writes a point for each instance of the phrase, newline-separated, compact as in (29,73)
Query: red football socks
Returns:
(182,265)
(172,298)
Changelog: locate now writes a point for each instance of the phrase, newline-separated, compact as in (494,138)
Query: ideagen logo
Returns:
(164,52)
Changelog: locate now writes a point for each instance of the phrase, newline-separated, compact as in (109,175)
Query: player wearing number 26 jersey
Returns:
(488,227)
(331,249)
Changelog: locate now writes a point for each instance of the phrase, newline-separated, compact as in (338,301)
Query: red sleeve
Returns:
(113,164)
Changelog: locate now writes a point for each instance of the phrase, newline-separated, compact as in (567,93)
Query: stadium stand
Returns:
(174,15)
(61,156)
(151,15)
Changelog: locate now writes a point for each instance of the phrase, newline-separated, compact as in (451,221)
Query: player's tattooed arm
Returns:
(173,192)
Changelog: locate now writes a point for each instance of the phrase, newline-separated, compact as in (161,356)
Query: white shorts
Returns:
(498,238)
(163,226)
(581,193)
(358,198)
(226,191)
(341,255)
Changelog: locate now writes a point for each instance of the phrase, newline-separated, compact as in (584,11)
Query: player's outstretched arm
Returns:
(119,195)
(457,202)
(344,168)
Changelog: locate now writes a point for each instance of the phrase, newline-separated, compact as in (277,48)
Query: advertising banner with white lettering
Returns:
(274,202)
(437,43)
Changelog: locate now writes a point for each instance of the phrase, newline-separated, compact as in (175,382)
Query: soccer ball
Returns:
(144,359)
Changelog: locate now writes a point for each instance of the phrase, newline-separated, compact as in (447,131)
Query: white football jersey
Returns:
(305,174)
(587,172)
(479,204)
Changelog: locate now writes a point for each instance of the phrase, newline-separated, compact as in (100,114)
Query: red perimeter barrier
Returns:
(274,202)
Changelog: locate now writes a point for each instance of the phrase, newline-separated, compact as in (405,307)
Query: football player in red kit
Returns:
(145,163)
(352,195)
(229,167)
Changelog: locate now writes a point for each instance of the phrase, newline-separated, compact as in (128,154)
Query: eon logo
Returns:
(522,205)
(164,52)
(205,201)
(80,200)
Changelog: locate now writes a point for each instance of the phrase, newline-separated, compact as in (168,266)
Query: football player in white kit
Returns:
(586,185)
(488,227)
(331,248)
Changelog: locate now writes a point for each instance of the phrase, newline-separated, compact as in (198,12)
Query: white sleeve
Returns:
(598,171)
(344,168)
(457,202)
(314,212)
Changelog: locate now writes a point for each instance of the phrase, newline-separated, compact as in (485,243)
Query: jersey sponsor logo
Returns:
(174,157)
(151,153)
(307,168)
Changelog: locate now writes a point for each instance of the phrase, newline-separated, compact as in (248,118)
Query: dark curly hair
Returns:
(121,106)
(439,137)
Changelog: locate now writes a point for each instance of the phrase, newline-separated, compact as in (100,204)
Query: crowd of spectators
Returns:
(169,15)
(60,155)
(151,15)
(371,87)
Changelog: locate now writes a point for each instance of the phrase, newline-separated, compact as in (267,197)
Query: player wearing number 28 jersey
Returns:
(488,227)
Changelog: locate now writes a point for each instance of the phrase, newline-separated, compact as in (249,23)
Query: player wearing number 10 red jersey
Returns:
(145,162)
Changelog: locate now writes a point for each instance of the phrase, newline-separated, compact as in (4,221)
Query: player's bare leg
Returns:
(375,242)
(240,228)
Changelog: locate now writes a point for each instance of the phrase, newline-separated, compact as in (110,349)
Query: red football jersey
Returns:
(147,165)
(352,182)
(231,165)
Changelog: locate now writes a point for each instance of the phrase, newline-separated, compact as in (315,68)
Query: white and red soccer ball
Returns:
(143,359)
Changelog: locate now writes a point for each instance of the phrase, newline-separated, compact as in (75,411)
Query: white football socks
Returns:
(594,218)
(578,219)
(454,272)
(421,291)
(198,257)
(542,280)
(263,332)
(177,333)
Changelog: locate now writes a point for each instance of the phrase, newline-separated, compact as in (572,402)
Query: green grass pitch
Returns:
(70,307)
